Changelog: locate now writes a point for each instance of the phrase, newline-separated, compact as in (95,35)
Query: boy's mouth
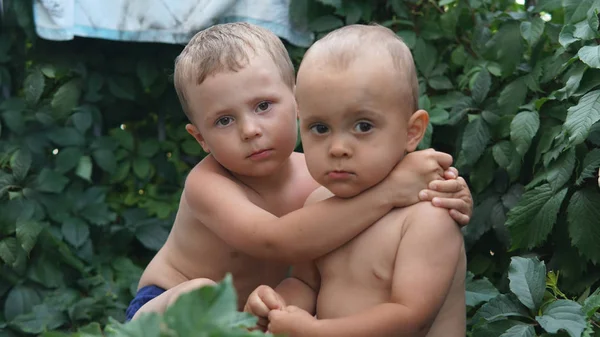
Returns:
(339,175)
(260,154)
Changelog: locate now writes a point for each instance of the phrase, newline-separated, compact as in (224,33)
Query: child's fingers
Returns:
(451,173)
(271,299)
(446,186)
(451,203)
(257,307)
(460,218)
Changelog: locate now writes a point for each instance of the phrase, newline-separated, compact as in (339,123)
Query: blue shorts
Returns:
(143,296)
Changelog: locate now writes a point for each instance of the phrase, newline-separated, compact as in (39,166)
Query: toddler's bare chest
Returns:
(368,258)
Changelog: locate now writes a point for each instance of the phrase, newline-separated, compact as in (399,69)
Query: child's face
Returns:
(355,125)
(246,119)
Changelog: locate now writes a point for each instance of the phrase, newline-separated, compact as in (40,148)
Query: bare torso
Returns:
(193,251)
(359,275)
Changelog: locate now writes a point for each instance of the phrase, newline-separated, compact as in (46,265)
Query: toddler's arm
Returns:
(309,232)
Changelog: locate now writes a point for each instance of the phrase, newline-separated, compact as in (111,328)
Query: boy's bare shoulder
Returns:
(426,217)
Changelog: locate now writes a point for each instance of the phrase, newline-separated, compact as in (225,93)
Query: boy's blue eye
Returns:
(263,106)
(319,129)
(363,127)
(224,121)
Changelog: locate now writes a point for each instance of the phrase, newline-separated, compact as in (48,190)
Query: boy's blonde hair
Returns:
(227,47)
(342,46)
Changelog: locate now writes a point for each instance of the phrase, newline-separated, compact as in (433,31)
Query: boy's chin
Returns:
(344,191)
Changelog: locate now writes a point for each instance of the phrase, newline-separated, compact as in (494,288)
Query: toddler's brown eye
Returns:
(363,127)
(263,106)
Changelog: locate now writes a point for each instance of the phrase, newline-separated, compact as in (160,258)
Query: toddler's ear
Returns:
(193,130)
(417,125)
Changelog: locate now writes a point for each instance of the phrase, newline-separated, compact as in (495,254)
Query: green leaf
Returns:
(438,116)
(532,30)
(479,291)
(148,148)
(520,330)
(582,116)
(84,168)
(43,318)
(27,233)
(523,128)
(124,138)
(590,55)
(495,329)
(507,157)
(563,315)
(191,147)
(440,83)
(207,306)
(591,305)
(560,171)
(147,325)
(499,307)
(141,167)
(506,46)
(591,163)
(20,300)
(583,217)
(425,56)
(482,173)
(67,159)
(66,136)
(66,98)
(475,140)
(9,250)
(75,231)
(51,181)
(82,120)
(566,36)
(533,218)
(576,10)
(481,86)
(20,163)
(34,86)
(105,159)
(512,96)
(325,23)
(528,280)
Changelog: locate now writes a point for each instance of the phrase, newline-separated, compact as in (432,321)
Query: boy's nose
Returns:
(250,129)
(339,148)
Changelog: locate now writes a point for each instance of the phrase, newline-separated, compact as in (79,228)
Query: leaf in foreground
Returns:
(528,280)
(590,165)
(583,216)
(582,116)
(479,291)
(563,315)
(532,219)
(520,330)
(501,306)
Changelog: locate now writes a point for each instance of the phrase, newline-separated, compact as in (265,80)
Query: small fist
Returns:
(292,321)
(261,301)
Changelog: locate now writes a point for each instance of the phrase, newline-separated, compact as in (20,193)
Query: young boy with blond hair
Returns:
(357,94)
(241,207)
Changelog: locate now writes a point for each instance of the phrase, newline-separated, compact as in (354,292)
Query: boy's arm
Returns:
(302,288)
(426,263)
(309,232)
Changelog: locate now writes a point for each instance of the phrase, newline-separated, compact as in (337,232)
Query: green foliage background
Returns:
(93,154)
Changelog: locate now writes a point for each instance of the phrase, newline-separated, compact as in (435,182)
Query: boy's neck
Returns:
(265,184)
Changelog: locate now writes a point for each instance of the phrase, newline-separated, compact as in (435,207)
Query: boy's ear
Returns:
(417,125)
(193,130)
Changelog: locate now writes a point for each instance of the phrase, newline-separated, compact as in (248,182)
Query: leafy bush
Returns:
(93,154)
